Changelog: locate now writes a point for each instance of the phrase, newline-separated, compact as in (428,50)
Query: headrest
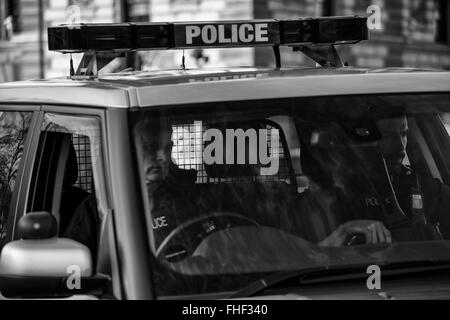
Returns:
(331,153)
(230,171)
(182,176)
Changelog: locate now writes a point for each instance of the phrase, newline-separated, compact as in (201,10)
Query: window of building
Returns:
(443,25)
(13,11)
(328,8)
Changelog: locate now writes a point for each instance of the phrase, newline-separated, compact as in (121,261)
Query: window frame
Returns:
(31,152)
(443,25)
(23,179)
(107,255)
(89,112)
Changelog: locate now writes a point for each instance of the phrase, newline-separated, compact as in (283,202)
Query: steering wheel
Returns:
(184,239)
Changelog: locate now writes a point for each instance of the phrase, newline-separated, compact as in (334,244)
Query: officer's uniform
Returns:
(418,212)
(425,201)
(84,226)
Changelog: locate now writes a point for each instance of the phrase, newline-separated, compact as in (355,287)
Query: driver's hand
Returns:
(374,231)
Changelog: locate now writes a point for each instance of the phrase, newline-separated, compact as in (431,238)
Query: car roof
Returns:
(172,87)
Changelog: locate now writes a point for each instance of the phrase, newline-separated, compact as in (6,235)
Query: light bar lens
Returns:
(341,30)
(110,37)
(151,36)
(99,37)
(323,30)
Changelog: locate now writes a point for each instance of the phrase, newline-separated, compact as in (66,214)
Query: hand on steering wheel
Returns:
(374,232)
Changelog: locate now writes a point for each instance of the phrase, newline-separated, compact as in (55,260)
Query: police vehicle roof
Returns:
(316,37)
(171,87)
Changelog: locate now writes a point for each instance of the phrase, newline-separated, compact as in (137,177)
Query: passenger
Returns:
(426,201)
(331,205)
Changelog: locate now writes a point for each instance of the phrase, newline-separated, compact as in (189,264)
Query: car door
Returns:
(67,176)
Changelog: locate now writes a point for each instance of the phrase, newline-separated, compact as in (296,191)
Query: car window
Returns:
(14,128)
(67,178)
(235,190)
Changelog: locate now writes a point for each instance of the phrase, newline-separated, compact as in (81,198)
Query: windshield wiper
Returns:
(337,273)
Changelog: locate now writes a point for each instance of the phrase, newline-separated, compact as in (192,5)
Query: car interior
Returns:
(340,158)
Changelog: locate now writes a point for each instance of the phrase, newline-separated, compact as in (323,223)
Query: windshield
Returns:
(238,190)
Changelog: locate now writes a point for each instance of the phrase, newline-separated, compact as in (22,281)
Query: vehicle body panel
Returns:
(183,87)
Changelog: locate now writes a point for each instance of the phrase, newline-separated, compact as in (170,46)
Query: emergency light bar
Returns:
(122,37)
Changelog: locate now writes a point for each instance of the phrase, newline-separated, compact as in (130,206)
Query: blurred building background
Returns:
(414,33)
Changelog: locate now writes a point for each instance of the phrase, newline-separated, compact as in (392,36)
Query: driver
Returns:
(167,185)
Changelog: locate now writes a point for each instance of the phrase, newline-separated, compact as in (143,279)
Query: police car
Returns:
(283,182)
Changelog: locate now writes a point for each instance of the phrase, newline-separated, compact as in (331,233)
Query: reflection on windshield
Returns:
(228,193)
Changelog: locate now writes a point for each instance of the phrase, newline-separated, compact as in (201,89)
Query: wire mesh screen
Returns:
(187,153)
(277,151)
(83,151)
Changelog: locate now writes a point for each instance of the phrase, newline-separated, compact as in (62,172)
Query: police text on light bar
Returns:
(211,34)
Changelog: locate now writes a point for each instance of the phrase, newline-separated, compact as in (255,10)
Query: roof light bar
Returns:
(120,37)
(327,30)
(190,35)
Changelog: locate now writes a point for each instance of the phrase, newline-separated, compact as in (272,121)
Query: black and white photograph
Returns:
(225,154)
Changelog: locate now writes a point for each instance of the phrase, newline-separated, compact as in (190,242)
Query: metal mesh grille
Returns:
(187,153)
(283,171)
(83,151)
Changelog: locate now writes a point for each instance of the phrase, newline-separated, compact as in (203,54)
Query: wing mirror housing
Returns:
(37,225)
(40,265)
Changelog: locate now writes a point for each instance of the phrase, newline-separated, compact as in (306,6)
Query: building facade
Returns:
(26,21)
(412,33)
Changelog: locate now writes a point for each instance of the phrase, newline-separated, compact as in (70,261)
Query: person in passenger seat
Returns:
(421,203)
(85,224)
(425,201)
(330,205)
(71,196)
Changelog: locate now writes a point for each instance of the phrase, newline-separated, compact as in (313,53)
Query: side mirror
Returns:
(37,225)
(41,265)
